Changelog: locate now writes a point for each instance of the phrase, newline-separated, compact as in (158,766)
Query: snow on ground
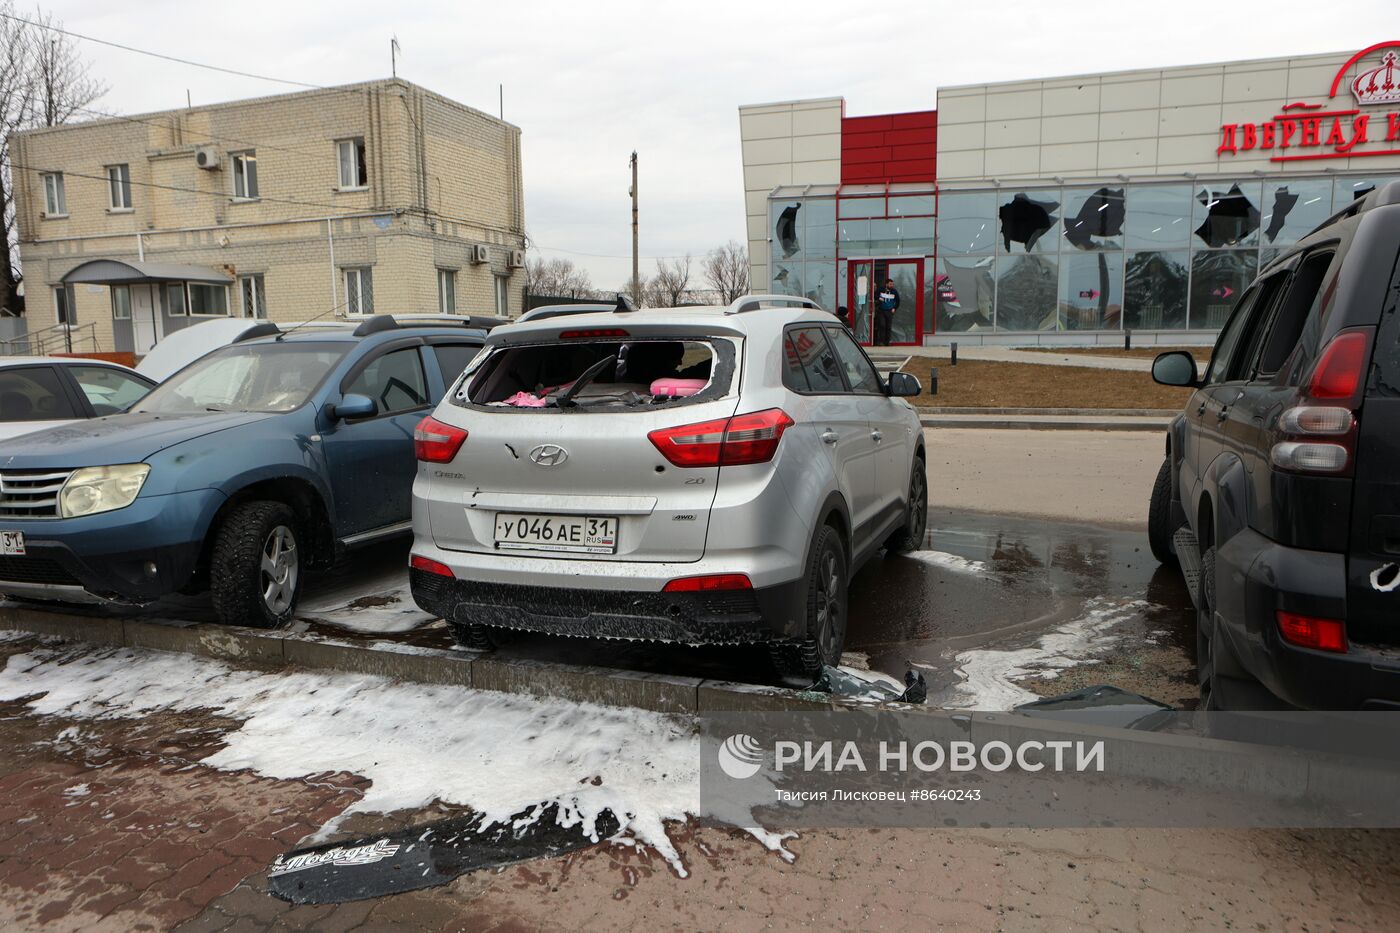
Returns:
(376,610)
(990,674)
(498,753)
(949,561)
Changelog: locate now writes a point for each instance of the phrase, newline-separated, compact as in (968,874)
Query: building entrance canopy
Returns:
(122,272)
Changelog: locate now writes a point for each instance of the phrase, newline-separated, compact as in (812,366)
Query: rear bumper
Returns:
(137,554)
(721,617)
(1276,577)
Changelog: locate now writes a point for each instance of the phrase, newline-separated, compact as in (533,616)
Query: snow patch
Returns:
(990,674)
(77,790)
(499,754)
(948,561)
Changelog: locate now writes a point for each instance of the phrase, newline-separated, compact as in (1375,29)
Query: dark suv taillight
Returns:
(751,438)
(1318,435)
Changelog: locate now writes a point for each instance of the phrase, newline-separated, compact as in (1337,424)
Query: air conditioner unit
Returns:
(517,259)
(480,253)
(207,157)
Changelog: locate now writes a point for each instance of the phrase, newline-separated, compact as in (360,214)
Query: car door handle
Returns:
(876,436)
(1202,409)
(830,437)
(1223,413)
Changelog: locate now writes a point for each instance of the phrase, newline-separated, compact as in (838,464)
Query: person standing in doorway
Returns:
(886,303)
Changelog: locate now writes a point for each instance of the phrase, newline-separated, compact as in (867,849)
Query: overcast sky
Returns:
(588,81)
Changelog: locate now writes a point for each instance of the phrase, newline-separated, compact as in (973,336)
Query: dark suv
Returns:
(1280,492)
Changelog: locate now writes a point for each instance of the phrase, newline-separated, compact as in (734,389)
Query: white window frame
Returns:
(119,188)
(118,312)
(502,295)
(358,164)
(239,163)
(359,285)
(447,291)
(258,291)
(55,198)
(65,306)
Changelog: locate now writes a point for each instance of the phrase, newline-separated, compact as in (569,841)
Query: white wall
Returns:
(793,143)
(1139,122)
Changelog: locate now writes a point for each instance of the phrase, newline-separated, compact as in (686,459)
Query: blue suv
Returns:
(259,461)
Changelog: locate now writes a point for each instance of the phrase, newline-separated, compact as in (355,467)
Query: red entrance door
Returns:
(864,280)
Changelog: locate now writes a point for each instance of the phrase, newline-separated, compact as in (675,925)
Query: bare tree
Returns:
(44,81)
(557,277)
(671,282)
(726,268)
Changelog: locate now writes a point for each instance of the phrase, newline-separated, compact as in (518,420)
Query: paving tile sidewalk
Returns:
(1010,355)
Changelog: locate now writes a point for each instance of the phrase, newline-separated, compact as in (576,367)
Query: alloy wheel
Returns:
(828,605)
(277,573)
(918,506)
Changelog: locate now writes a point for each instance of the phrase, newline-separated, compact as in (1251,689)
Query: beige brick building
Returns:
(381,196)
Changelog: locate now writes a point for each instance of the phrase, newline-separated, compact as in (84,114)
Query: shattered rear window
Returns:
(600,374)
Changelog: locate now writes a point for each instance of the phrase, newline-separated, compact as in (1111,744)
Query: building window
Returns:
(65,311)
(175,305)
(447,291)
(359,291)
(55,203)
(121,303)
(119,187)
(212,300)
(254,295)
(351,154)
(503,295)
(245,174)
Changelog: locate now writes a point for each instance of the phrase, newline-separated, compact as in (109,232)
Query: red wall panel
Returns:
(897,147)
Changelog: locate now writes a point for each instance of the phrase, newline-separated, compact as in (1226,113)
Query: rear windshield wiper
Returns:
(566,398)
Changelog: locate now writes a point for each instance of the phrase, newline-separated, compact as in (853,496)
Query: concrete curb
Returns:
(1056,412)
(1212,764)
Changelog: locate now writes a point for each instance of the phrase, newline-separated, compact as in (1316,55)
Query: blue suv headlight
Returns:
(101,489)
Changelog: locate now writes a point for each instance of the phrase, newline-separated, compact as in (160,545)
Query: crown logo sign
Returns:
(1380,85)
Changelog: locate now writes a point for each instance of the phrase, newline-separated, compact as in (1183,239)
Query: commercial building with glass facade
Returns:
(1066,210)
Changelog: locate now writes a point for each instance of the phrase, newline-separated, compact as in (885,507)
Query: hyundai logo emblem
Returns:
(549,455)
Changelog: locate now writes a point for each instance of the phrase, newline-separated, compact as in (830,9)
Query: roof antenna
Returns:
(623,304)
(301,324)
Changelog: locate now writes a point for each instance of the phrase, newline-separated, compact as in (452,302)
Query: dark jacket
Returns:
(887,298)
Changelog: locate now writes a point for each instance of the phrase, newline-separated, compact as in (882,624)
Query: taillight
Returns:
(1310,632)
(709,582)
(1318,435)
(435,442)
(751,438)
(428,565)
(1341,367)
(594,332)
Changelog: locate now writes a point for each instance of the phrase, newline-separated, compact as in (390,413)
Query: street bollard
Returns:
(1127,340)
(933,380)
(954,347)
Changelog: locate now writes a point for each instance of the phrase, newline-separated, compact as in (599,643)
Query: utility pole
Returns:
(394,57)
(636,271)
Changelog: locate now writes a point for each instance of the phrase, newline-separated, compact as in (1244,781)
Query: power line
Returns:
(169,58)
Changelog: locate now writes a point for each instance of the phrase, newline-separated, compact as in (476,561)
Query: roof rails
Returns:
(265,329)
(756,302)
(373,324)
(548,311)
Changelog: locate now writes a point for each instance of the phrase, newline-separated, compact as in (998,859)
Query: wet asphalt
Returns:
(985,584)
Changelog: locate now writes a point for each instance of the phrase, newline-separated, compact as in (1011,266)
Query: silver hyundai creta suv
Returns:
(709,475)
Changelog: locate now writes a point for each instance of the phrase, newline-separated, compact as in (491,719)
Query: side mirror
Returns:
(1177,368)
(355,406)
(903,385)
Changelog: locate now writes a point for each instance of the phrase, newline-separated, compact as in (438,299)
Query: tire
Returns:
(471,636)
(799,662)
(911,536)
(1160,528)
(256,565)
